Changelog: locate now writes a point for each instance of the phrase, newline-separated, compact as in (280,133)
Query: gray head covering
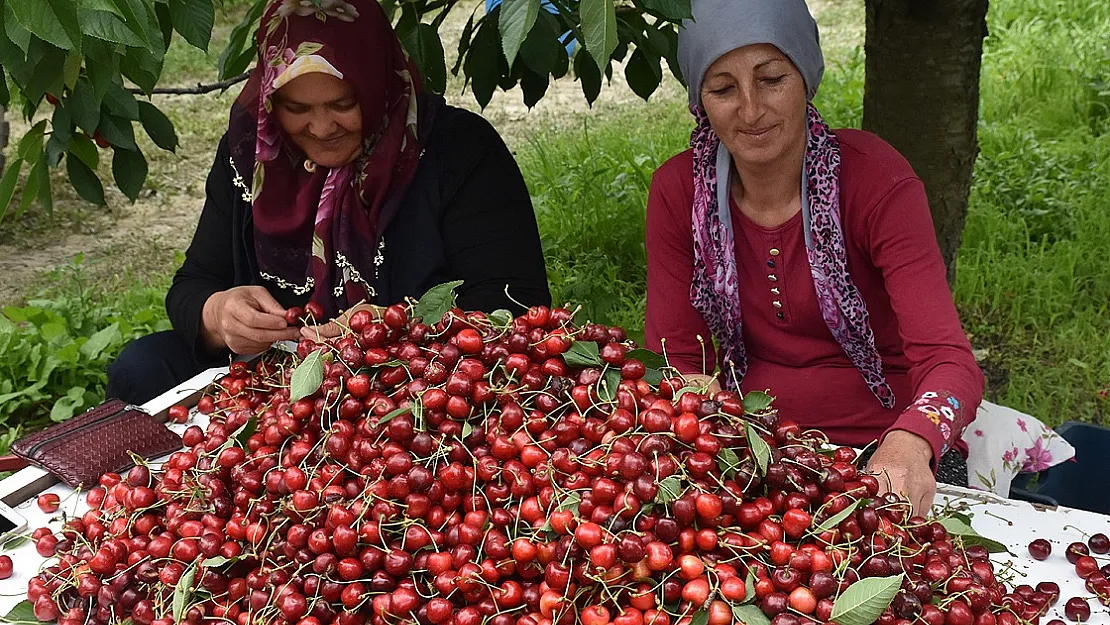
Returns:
(721,26)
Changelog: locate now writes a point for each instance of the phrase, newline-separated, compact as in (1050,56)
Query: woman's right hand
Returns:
(246,320)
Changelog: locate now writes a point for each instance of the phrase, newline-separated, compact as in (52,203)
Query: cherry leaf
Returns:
(864,601)
(761,451)
(670,489)
(307,377)
(750,614)
(183,593)
(757,402)
(436,302)
(700,618)
(727,461)
(23,612)
(962,529)
(833,521)
(583,354)
(393,414)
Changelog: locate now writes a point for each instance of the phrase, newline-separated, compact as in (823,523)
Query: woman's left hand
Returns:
(901,464)
(336,326)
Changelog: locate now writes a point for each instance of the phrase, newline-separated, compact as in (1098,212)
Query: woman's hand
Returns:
(901,464)
(244,319)
(712,384)
(335,327)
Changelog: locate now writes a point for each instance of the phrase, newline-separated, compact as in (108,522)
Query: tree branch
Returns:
(198,89)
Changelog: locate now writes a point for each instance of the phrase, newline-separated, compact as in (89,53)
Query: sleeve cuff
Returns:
(937,417)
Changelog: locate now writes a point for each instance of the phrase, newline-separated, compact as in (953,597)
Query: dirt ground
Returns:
(141,239)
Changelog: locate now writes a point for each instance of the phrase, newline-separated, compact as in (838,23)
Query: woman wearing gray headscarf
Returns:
(822,238)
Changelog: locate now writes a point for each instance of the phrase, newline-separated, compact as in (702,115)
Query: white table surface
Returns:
(1013,523)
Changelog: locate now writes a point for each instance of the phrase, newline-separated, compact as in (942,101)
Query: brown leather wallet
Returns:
(99,441)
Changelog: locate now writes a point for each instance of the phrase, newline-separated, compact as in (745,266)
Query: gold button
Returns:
(775,291)
(777,304)
(774,251)
(772,277)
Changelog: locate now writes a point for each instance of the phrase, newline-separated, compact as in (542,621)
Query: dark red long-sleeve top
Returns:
(893,259)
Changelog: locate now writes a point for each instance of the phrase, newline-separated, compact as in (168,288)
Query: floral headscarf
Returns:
(316,228)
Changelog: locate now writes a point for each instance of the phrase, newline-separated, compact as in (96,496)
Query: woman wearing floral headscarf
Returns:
(821,238)
(341,182)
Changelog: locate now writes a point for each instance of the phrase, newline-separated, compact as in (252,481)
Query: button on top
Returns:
(774,251)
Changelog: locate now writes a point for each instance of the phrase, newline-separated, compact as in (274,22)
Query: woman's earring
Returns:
(309,166)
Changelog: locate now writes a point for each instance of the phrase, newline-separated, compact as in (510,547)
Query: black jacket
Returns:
(466,216)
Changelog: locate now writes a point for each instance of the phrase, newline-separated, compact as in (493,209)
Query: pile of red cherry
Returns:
(490,469)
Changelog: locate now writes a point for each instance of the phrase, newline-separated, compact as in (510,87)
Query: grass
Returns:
(1031,286)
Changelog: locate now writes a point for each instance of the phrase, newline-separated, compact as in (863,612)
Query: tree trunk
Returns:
(921,94)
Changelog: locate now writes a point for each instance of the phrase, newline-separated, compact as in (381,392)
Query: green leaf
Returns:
(670,490)
(18,35)
(118,131)
(757,402)
(84,181)
(307,377)
(643,72)
(650,359)
(7,184)
(61,133)
(158,127)
(963,529)
(517,19)
(97,343)
(84,149)
(121,103)
(72,69)
(15,543)
(393,414)
(483,61)
(425,48)
(240,45)
(142,68)
(865,600)
(65,407)
(761,451)
(45,193)
(583,354)
(54,21)
(570,502)
(183,593)
(245,431)
(541,51)
(5,95)
(833,521)
(165,22)
(217,561)
(129,169)
(193,19)
(727,461)
(599,28)
(501,317)
(436,302)
(701,617)
(750,614)
(84,106)
(30,146)
(585,70)
(23,612)
(108,27)
(467,430)
(607,390)
(673,10)
(464,44)
(31,185)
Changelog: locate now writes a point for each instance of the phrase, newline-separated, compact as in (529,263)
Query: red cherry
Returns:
(1040,549)
(49,503)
